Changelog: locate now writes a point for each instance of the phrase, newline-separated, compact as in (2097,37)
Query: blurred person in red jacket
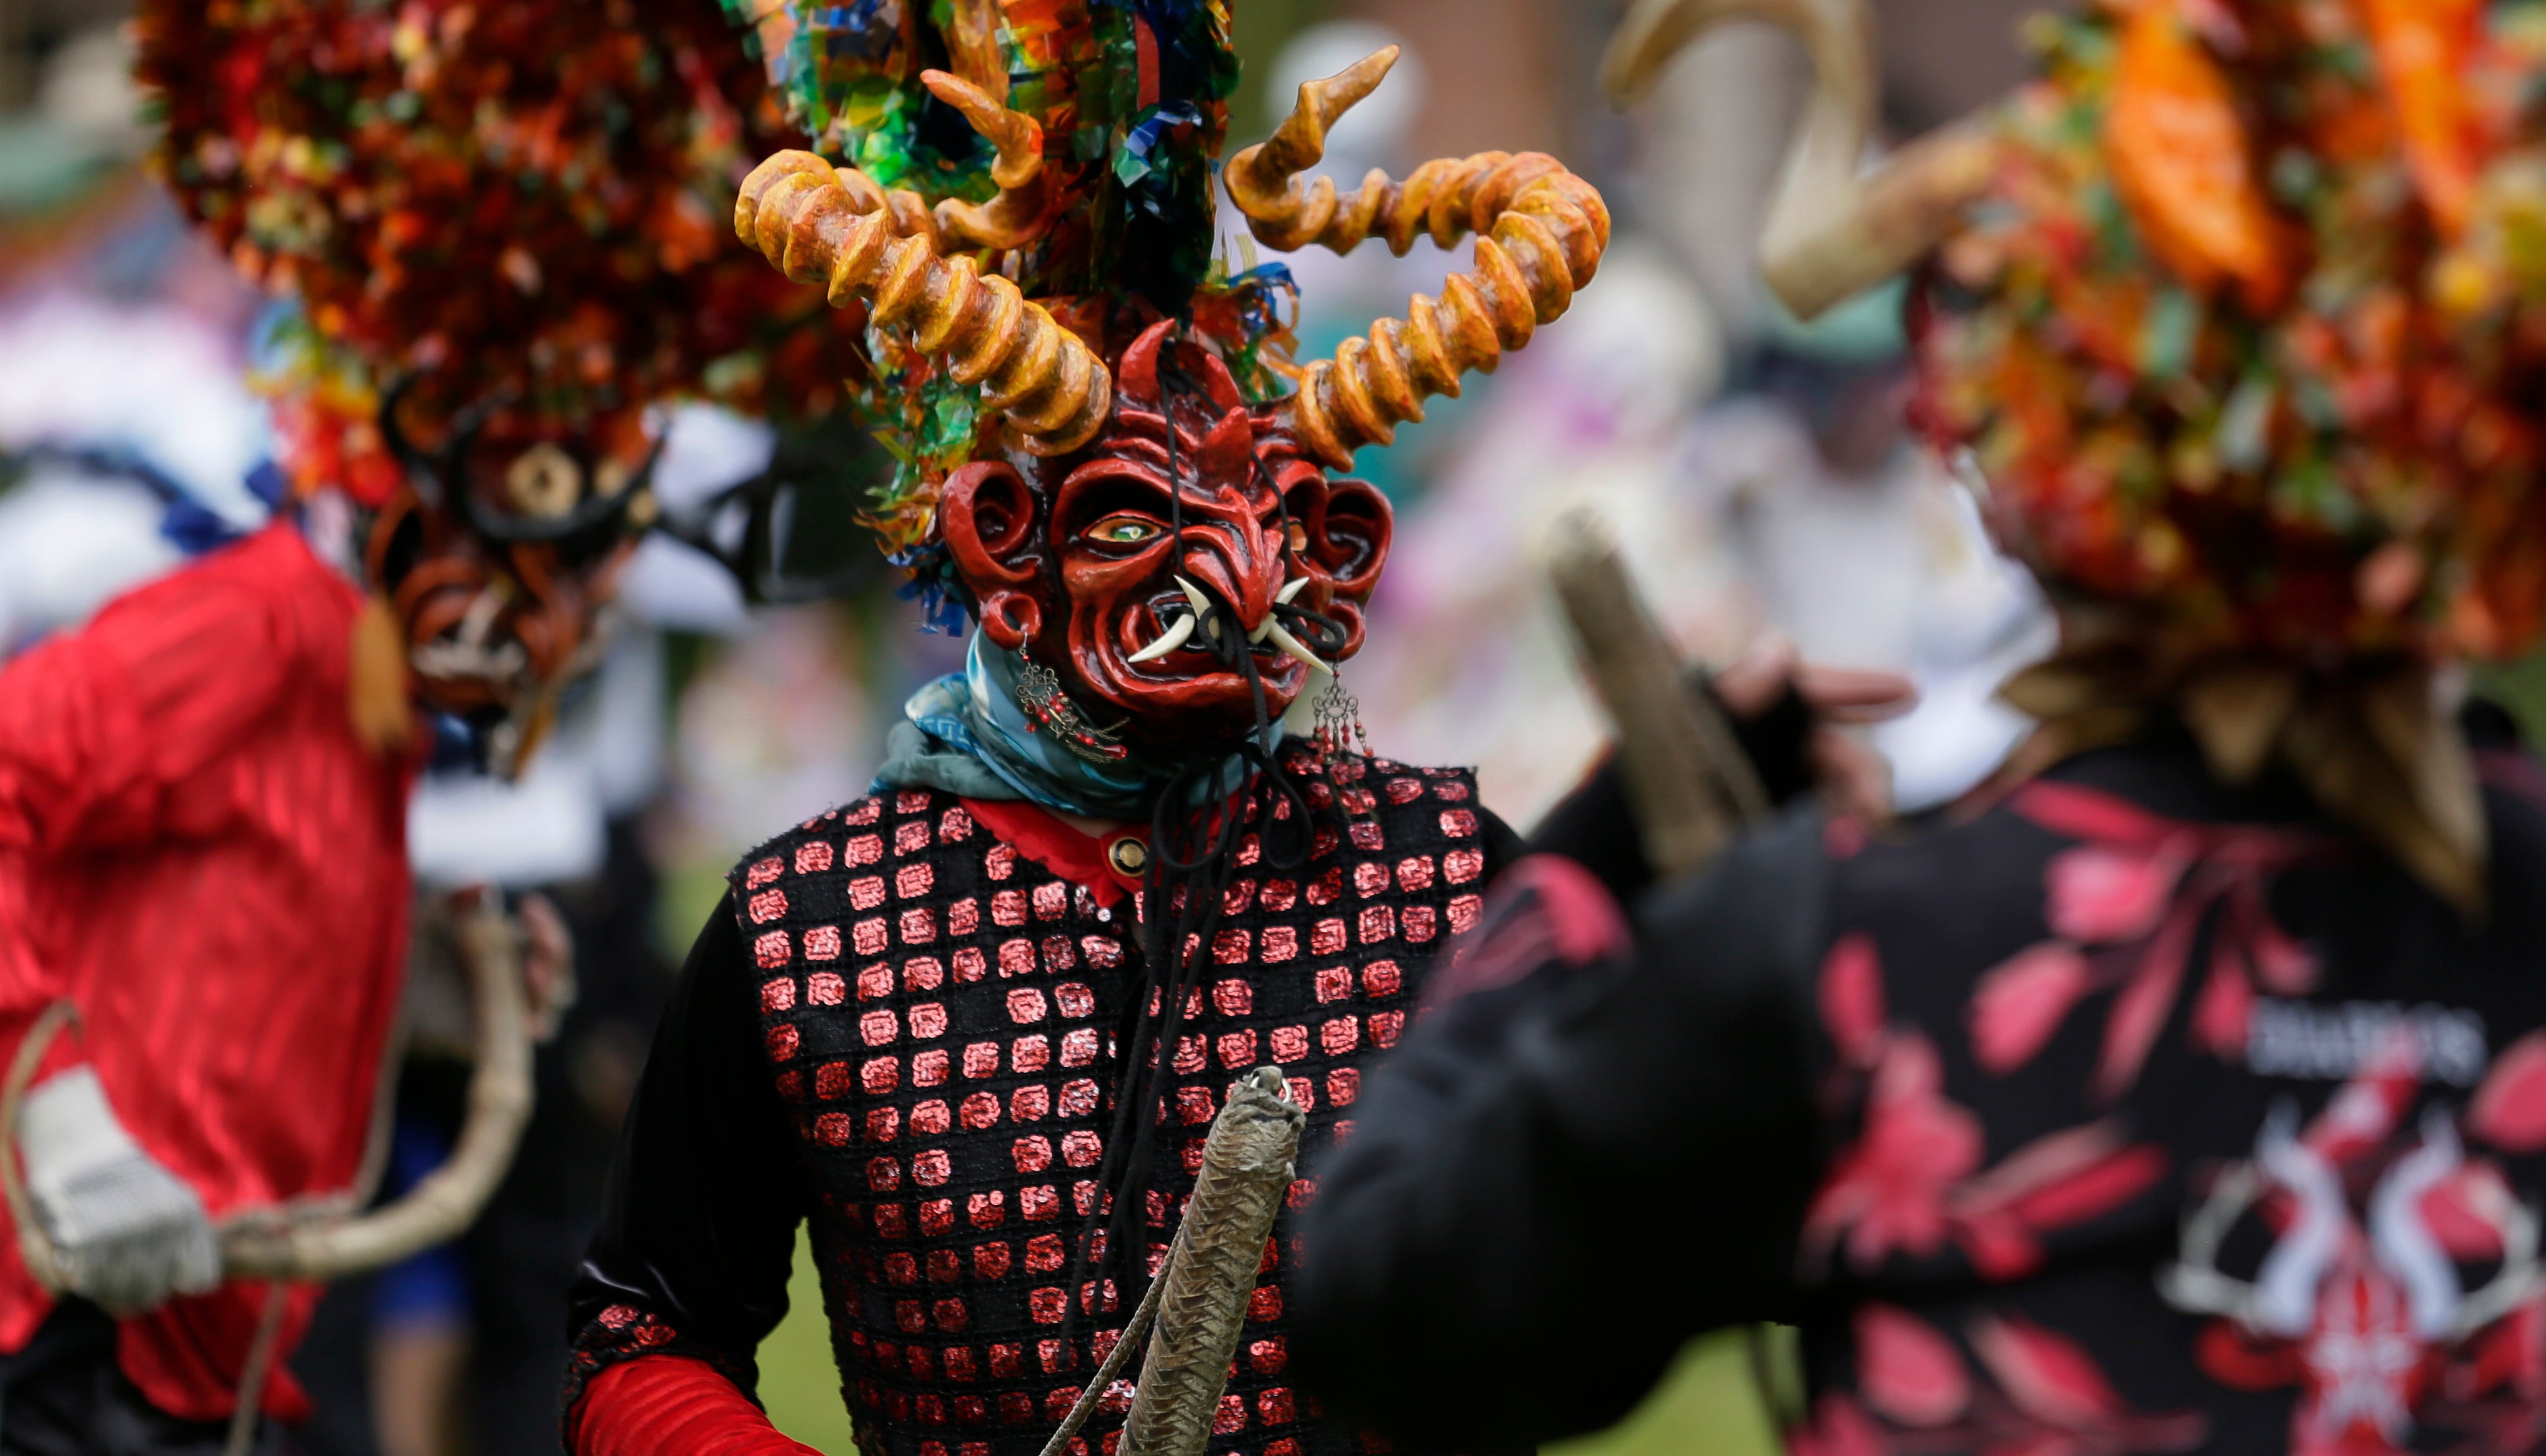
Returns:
(204,882)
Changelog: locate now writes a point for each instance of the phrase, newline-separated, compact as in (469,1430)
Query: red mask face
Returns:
(1076,561)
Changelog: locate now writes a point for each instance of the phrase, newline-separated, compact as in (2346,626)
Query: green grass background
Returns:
(1707,1405)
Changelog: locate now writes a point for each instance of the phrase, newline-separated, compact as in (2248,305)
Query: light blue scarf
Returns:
(966,734)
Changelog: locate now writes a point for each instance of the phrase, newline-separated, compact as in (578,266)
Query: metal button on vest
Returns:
(1128,855)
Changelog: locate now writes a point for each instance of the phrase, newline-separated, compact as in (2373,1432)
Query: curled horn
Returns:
(835,227)
(1445,199)
(1024,208)
(1831,233)
(1288,214)
(1540,232)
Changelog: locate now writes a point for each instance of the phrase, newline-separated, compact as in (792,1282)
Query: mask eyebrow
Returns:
(1115,468)
(1105,487)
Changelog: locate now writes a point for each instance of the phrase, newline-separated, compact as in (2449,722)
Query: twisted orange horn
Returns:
(1445,199)
(1540,232)
(1287,213)
(1026,205)
(833,225)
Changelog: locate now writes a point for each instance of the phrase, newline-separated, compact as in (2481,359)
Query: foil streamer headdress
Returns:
(1016,189)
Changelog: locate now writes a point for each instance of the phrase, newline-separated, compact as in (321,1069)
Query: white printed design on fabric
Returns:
(2401,1284)
(2302,1039)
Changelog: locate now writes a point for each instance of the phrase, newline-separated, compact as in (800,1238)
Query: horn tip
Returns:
(1641,48)
(1373,68)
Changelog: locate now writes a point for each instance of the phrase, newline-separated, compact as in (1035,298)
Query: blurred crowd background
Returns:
(1758,470)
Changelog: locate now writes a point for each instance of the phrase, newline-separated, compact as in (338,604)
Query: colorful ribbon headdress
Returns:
(1009,222)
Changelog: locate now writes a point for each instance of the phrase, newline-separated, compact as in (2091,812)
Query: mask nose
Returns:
(1250,582)
(1238,564)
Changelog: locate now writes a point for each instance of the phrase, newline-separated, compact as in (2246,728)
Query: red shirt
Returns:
(194,850)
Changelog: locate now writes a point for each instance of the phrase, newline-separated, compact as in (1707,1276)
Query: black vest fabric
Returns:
(2166,1135)
(936,1010)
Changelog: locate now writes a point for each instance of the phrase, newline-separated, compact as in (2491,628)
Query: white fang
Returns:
(1289,645)
(1200,604)
(1168,641)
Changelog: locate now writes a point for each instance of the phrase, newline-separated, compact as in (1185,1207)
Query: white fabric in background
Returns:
(80,372)
(70,543)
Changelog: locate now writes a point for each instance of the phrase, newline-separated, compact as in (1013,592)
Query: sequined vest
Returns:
(936,1010)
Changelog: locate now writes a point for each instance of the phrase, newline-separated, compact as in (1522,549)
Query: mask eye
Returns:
(1124,531)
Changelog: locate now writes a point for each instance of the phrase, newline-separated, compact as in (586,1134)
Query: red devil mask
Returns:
(1182,569)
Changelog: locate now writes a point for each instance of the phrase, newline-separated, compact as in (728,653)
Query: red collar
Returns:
(1081,858)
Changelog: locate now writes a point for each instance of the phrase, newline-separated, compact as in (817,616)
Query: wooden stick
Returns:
(290,1244)
(32,1247)
(1686,776)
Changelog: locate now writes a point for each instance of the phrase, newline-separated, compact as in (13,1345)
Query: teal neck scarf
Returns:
(967,734)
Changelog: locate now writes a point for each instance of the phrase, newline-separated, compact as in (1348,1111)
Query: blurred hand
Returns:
(1850,776)
(548,963)
(127,1232)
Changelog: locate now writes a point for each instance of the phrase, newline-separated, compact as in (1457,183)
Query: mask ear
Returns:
(1011,619)
(1348,525)
(987,515)
(1351,538)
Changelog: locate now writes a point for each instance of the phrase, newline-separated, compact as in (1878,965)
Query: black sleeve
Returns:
(1555,1181)
(699,1216)
(1503,842)
(1595,827)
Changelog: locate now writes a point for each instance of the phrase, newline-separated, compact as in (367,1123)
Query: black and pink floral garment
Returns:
(2138,1116)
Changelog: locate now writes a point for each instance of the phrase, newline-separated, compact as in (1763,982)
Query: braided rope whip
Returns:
(1246,1169)
(1199,1300)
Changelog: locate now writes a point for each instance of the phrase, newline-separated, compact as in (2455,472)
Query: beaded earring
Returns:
(1048,709)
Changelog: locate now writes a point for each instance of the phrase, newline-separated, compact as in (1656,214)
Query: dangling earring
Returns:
(1339,719)
(1039,693)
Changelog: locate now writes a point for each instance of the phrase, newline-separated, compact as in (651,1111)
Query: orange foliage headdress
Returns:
(2239,313)
(523,199)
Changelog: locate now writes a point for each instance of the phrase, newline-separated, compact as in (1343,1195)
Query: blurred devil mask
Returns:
(499,554)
